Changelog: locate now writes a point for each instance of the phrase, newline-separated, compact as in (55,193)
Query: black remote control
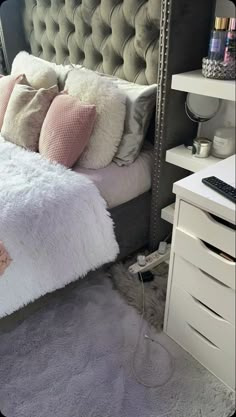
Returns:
(221,187)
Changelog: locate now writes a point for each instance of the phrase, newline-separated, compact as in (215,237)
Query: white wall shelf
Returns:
(194,82)
(182,157)
(168,212)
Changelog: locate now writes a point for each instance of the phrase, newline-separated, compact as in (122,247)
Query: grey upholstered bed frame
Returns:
(139,40)
(114,37)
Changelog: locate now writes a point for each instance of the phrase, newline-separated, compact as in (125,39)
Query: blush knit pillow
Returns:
(111,108)
(7,84)
(66,129)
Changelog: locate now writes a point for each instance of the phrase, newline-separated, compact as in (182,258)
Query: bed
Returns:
(112,37)
(149,42)
(139,41)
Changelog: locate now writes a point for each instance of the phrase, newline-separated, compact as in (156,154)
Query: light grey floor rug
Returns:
(130,288)
(72,358)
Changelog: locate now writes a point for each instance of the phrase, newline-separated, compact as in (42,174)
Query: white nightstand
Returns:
(200,307)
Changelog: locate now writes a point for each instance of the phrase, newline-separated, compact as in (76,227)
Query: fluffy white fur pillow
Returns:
(109,125)
(38,73)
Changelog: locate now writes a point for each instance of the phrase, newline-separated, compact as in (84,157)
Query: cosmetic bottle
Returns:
(230,50)
(218,39)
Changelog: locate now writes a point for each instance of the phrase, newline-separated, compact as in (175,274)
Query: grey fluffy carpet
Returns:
(72,358)
(130,288)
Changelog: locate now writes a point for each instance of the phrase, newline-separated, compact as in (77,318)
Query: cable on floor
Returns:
(147,338)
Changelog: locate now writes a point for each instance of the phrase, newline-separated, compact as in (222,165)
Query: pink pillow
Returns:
(7,84)
(66,129)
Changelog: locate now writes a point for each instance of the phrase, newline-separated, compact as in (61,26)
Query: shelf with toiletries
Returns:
(194,82)
(206,101)
(217,77)
(206,149)
(210,102)
(181,156)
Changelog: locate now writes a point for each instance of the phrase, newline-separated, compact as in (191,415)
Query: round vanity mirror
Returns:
(201,108)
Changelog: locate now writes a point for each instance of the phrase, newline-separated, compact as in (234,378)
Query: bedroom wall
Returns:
(1,57)
(226,115)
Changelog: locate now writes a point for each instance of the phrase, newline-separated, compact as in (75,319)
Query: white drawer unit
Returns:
(197,344)
(218,331)
(201,224)
(200,305)
(213,293)
(195,251)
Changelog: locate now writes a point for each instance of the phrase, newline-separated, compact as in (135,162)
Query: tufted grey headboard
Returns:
(112,36)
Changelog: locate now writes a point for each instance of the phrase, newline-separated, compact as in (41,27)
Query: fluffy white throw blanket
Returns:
(53,224)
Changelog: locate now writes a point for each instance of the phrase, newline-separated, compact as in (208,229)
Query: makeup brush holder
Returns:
(218,70)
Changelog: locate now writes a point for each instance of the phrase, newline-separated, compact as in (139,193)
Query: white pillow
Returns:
(141,100)
(38,73)
(140,104)
(61,70)
(111,109)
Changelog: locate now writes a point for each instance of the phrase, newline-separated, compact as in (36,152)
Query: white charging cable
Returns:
(136,376)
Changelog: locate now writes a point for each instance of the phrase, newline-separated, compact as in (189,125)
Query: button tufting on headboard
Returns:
(114,36)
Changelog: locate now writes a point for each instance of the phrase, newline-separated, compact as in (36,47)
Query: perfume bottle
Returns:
(230,50)
(218,39)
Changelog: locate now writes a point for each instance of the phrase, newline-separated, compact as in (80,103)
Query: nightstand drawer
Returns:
(208,290)
(187,324)
(214,328)
(202,225)
(196,252)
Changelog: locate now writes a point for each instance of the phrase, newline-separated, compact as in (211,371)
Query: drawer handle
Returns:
(200,335)
(220,221)
(207,309)
(214,279)
(215,252)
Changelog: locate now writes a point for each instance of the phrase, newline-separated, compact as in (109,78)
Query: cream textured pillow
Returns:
(25,114)
(109,125)
(66,129)
(7,83)
(38,73)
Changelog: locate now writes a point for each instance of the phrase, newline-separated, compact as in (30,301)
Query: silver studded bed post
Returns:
(185,28)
